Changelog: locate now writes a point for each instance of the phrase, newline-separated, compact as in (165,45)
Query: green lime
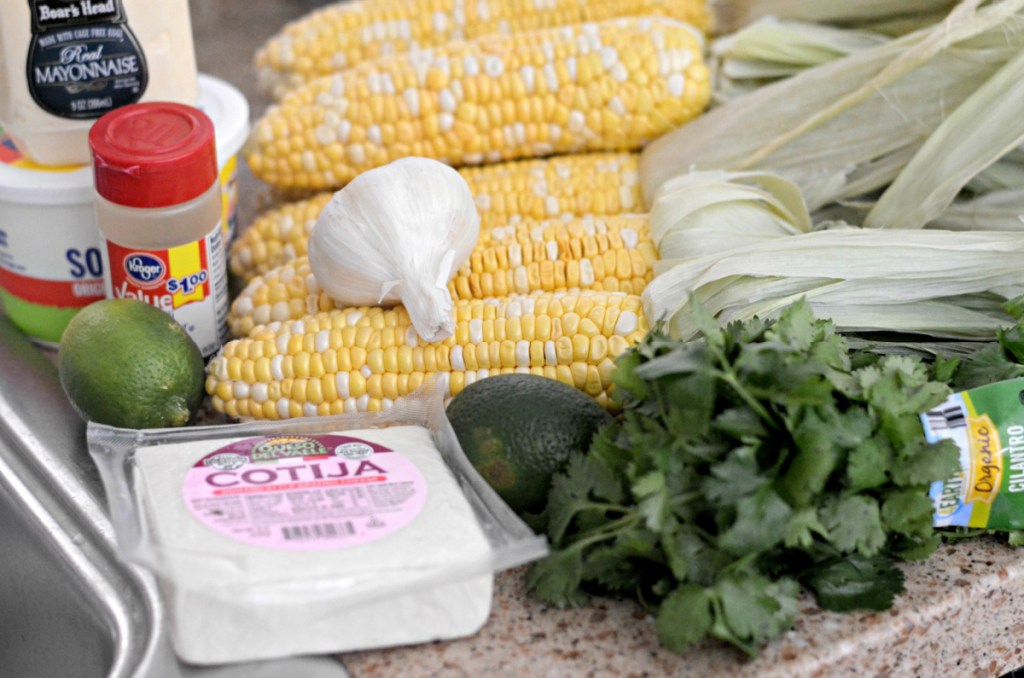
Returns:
(518,431)
(125,363)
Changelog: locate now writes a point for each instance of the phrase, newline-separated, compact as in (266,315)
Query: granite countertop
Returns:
(962,614)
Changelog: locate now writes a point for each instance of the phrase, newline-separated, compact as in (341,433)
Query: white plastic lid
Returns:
(229,110)
(29,184)
(26,186)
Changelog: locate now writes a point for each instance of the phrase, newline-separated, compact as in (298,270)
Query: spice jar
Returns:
(158,207)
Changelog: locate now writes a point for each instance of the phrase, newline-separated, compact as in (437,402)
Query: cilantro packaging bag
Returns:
(313,535)
(987,425)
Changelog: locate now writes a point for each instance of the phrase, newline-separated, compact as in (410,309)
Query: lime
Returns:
(125,363)
(518,431)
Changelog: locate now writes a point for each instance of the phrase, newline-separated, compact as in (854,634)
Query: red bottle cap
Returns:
(153,154)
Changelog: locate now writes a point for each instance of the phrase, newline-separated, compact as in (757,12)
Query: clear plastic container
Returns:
(396,545)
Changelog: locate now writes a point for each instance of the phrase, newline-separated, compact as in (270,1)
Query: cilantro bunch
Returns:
(764,457)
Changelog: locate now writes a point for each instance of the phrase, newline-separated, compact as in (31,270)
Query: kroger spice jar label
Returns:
(189,282)
(305,493)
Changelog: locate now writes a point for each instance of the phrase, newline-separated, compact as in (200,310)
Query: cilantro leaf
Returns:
(691,558)
(760,523)
(740,423)
(754,609)
(733,478)
(1012,340)
(867,465)
(815,460)
(556,579)
(855,583)
(922,463)
(987,366)
(568,496)
(944,369)
(901,385)
(854,524)
(914,548)
(616,565)
(628,385)
(711,332)
(802,527)
(606,467)
(651,493)
(684,617)
(1015,307)
(908,512)
(796,326)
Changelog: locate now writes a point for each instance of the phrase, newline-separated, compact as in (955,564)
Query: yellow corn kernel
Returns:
(375,361)
(356,384)
(374,387)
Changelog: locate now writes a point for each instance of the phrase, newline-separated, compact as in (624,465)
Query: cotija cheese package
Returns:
(311,535)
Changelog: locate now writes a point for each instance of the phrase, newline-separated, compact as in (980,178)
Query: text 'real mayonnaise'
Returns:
(64,63)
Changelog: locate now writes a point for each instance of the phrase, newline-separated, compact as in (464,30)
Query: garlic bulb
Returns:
(397,234)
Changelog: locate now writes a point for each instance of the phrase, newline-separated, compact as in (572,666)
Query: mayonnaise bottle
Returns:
(64,63)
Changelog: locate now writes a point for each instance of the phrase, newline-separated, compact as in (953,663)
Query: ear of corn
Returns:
(612,254)
(609,86)
(556,187)
(275,237)
(561,186)
(363,359)
(344,34)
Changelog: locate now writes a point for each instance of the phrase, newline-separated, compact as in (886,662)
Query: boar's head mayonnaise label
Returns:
(83,59)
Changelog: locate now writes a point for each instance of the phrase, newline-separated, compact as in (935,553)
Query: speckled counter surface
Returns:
(962,615)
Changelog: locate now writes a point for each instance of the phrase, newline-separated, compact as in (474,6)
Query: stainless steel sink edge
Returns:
(134,628)
(46,470)
(45,466)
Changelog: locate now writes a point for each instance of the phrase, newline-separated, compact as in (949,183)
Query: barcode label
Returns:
(947,417)
(317,531)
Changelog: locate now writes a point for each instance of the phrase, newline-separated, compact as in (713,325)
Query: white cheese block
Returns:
(311,544)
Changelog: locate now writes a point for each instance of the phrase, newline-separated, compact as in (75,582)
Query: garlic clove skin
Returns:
(397,234)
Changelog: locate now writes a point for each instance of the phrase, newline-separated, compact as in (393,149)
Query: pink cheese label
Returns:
(305,493)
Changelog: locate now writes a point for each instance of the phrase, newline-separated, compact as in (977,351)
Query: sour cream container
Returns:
(50,263)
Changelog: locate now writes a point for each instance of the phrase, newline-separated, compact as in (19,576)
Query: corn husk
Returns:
(706,213)
(993,211)
(732,15)
(844,119)
(942,284)
(770,50)
(984,128)
(1006,174)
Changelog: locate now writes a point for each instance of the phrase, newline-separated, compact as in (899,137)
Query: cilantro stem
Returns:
(606,531)
(730,378)
(601,506)
(728,375)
